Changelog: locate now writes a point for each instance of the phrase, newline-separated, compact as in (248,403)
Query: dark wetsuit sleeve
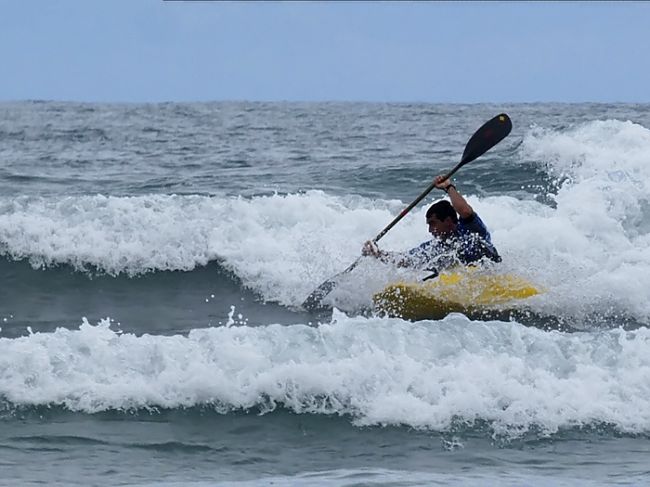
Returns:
(420,254)
(474,224)
(480,245)
(472,244)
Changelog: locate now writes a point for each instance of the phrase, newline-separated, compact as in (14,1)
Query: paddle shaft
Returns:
(486,137)
(404,212)
(415,202)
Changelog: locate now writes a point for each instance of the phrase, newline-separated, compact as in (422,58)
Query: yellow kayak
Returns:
(467,292)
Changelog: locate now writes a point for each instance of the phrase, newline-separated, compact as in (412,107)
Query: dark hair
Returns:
(443,210)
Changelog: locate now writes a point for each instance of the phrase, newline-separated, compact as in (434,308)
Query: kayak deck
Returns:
(462,292)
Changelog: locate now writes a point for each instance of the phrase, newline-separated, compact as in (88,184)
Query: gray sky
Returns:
(149,50)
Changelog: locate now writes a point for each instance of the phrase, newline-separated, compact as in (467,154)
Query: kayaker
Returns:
(459,236)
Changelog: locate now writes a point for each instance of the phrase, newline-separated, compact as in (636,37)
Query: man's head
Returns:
(442,219)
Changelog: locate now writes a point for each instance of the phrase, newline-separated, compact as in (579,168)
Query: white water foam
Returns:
(379,371)
(591,252)
(593,249)
(278,245)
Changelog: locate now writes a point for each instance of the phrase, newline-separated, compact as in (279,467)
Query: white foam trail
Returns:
(379,371)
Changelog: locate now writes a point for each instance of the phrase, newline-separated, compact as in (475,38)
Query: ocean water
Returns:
(153,260)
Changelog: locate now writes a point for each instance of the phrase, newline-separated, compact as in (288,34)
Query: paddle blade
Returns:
(490,134)
(314,300)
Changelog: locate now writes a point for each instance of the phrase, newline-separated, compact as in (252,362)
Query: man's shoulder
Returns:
(473,224)
(474,218)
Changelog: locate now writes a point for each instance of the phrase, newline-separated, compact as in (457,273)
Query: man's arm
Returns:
(461,206)
(398,258)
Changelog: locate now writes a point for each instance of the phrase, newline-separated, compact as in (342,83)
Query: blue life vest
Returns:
(470,243)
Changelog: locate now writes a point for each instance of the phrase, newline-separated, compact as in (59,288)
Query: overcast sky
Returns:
(150,50)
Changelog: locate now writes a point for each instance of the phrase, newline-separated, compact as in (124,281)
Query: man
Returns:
(459,236)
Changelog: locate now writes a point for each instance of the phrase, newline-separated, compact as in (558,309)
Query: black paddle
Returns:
(486,137)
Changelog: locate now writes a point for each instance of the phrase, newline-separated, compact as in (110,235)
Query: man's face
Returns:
(440,229)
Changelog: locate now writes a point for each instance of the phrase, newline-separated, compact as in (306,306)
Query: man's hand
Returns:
(441,183)
(459,203)
(370,248)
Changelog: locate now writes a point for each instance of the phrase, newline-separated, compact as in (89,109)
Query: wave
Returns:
(162,302)
(427,375)
(65,276)
(272,243)
(587,243)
